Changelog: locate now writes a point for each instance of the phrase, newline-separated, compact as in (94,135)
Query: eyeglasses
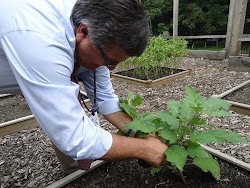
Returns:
(107,59)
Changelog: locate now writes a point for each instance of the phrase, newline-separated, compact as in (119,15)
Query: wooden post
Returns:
(230,27)
(235,29)
(238,48)
(175,18)
(237,26)
(242,23)
(243,17)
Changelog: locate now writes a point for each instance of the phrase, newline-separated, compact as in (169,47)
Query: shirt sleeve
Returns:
(106,100)
(42,68)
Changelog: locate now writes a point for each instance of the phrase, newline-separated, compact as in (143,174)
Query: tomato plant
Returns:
(160,53)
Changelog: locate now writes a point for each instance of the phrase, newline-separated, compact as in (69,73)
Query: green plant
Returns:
(183,129)
(161,52)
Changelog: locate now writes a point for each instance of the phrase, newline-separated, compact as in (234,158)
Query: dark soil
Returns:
(151,74)
(127,174)
(241,95)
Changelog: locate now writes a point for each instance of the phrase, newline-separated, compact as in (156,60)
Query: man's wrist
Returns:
(131,133)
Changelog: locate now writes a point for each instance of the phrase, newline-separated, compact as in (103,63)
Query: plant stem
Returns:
(181,176)
(177,171)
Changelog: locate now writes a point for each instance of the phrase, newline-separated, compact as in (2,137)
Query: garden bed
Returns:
(166,75)
(127,174)
(27,159)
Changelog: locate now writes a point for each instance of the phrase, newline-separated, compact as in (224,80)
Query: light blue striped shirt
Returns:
(37,44)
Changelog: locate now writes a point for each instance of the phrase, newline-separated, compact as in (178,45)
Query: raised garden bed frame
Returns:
(25,123)
(237,107)
(151,83)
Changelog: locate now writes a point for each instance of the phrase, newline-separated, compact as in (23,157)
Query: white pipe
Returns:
(4,95)
(231,90)
(16,121)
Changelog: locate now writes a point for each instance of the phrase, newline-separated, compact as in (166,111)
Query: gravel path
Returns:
(27,159)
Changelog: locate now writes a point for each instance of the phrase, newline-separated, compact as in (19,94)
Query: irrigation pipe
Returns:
(4,95)
(16,121)
(231,90)
(239,104)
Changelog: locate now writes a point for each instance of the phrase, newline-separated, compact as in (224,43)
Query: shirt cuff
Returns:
(103,143)
(109,106)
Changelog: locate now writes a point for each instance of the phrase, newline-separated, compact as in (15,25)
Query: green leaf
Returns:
(186,112)
(196,109)
(205,126)
(217,113)
(162,124)
(147,116)
(139,126)
(131,111)
(213,104)
(202,137)
(169,118)
(168,134)
(156,120)
(122,100)
(193,97)
(197,150)
(131,96)
(177,155)
(137,101)
(223,136)
(208,164)
(198,121)
(142,134)
(186,130)
(173,107)
(154,170)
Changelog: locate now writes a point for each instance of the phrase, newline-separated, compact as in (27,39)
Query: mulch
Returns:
(27,159)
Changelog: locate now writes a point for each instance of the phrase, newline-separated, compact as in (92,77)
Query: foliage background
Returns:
(196,17)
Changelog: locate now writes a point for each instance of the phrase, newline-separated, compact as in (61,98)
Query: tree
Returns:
(196,17)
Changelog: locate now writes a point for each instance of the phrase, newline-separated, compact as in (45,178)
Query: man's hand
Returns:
(151,150)
(156,152)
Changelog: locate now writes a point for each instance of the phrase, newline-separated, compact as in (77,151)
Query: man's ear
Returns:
(81,32)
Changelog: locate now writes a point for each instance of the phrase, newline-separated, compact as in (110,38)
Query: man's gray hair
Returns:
(108,21)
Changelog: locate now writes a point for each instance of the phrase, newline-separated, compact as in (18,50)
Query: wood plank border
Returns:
(207,54)
(24,123)
(239,64)
(151,83)
(237,107)
(75,175)
(17,125)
